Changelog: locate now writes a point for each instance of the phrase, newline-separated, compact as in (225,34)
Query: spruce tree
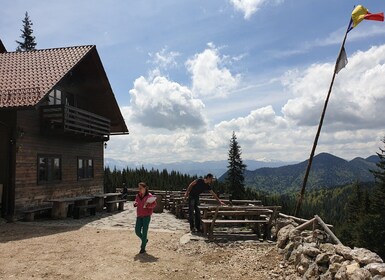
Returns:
(236,168)
(28,43)
(378,206)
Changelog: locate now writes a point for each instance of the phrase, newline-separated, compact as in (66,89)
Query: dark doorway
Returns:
(7,121)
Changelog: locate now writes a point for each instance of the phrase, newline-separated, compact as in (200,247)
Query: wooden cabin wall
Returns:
(31,144)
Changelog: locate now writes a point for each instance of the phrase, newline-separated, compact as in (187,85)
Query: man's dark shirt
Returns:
(199,188)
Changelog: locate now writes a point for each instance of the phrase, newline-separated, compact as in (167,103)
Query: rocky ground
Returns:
(105,247)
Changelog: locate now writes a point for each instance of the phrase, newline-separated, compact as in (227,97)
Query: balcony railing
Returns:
(75,122)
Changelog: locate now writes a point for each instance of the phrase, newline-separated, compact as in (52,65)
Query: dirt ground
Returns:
(105,247)
(30,251)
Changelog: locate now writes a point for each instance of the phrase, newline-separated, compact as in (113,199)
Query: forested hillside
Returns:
(327,171)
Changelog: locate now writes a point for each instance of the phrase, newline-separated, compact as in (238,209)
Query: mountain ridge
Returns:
(327,171)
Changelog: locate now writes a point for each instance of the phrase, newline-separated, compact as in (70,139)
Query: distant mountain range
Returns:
(193,168)
(327,171)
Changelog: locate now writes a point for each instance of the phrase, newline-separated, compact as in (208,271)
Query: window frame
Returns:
(52,157)
(85,168)
(55,99)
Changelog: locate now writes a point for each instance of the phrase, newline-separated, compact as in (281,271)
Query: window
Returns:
(85,168)
(55,97)
(49,169)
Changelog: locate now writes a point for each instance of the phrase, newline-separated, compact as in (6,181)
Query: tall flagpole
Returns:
(299,202)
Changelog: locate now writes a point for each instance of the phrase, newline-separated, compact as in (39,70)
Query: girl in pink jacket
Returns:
(143,213)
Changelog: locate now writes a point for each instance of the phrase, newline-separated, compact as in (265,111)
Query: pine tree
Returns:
(236,168)
(28,43)
(378,206)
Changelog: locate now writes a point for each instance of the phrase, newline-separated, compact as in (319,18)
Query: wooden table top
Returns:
(70,199)
(106,194)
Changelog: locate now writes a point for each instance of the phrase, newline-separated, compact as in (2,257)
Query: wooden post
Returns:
(305,225)
(213,222)
(321,223)
(299,202)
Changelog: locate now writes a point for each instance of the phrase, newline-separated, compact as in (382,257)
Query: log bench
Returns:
(29,215)
(80,210)
(208,225)
(111,205)
(233,216)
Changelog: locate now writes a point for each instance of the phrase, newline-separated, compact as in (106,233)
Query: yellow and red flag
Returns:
(360,13)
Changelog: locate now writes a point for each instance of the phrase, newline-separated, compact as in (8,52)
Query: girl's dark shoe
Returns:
(142,251)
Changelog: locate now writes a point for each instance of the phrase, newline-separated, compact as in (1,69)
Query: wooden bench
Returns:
(111,205)
(80,210)
(258,217)
(29,215)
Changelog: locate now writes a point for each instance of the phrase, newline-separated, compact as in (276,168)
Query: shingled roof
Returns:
(26,77)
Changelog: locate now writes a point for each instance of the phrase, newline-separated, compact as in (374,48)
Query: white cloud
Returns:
(164,58)
(357,98)
(160,103)
(210,77)
(353,124)
(249,7)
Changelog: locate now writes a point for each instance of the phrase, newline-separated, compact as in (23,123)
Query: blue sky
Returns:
(188,73)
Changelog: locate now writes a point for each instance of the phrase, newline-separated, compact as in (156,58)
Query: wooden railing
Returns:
(74,122)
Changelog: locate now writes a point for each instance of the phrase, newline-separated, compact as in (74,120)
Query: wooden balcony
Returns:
(74,122)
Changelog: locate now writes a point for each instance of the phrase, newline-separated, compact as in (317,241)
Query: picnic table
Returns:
(230,201)
(254,216)
(60,205)
(101,198)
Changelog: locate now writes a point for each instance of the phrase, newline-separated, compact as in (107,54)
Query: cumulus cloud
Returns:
(249,7)
(158,102)
(357,97)
(353,125)
(210,77)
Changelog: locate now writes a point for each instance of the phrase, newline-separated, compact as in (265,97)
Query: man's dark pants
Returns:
(194,214)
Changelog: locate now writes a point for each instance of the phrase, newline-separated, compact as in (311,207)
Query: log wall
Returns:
(32,143)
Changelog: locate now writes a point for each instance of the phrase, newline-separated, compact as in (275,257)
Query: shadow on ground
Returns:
(42,227)
(145,258)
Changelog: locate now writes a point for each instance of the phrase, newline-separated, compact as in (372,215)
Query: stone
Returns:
(322,258)
(283,236)
(350,268)
(334,267)
(378,277)
(327,248)
(365,256)
(306,233)
(308,239)
(311,272)
(344,251)
(327,276)
(336,259)
(311,251)
(360,274)
(341,274)
(301,269)
(295,235)
(322,269)
(288,250)
(376,268)
(304,260)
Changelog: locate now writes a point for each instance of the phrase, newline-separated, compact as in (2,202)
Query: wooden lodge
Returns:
(57,110)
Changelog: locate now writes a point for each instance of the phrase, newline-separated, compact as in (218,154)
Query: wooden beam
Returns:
(325,227)
(305,225)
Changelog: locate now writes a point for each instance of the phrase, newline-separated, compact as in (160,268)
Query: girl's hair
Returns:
(143,185)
